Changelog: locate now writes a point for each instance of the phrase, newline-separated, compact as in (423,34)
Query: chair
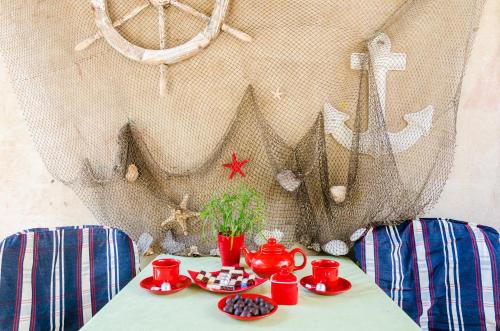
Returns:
(57,279)
(443,273)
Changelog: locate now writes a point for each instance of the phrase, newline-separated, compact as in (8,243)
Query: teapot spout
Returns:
(248,255)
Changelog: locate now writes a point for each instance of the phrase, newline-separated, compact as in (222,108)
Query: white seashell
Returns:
(338,193)
(336,248)
(262,237)
(144,243)
(357,234)
(132,173)
(315,247)
(214,252)
(170,245)
(288,180)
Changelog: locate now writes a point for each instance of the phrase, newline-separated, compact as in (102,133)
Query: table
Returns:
(364,307)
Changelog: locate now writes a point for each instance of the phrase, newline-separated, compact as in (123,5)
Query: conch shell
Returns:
(132,173)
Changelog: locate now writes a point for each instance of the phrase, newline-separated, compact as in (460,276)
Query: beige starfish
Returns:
(180,215)
(277,94)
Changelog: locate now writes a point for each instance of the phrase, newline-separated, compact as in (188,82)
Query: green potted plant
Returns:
(230,216)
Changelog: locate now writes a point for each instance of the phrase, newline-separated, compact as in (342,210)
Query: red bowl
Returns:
(253,296)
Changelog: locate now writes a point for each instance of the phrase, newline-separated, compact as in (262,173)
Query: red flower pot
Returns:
(230,249)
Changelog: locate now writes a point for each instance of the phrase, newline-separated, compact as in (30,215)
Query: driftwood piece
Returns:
(163,44)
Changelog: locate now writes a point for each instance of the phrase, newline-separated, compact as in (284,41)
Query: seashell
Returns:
(144,244)
(336,248)
(262,237)
(357,234)
(132,173)
(288,180)
(193,251)
(170,245)
(214,252)
(315,247)
(338,193)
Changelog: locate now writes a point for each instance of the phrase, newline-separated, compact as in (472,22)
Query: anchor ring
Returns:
(159,56)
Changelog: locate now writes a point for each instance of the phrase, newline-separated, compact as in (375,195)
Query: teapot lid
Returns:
(272,247)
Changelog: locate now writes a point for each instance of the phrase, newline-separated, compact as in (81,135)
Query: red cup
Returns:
(166,270)
(325,271)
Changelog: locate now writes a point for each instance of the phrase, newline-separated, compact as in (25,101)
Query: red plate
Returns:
(258,281)
(342,285)
(222,303)
(182,283)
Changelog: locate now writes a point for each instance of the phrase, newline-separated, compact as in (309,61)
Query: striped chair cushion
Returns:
(443,273)
(57,279)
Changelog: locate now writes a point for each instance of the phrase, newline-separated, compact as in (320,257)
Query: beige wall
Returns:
(29,197)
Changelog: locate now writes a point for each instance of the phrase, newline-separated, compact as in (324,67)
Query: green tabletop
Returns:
(364,307)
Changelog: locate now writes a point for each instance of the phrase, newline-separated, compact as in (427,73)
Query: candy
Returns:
(166,286)
(320,287)
(227,279)
(247,307)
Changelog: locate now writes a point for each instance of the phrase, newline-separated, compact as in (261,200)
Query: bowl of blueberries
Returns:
(248,306)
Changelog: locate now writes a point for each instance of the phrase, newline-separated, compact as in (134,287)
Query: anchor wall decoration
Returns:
(162,56)
(381,60)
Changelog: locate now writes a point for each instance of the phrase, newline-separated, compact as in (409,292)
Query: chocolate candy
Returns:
(227,279)
(246,307)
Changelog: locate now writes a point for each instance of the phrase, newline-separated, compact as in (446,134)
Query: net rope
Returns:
(312,67)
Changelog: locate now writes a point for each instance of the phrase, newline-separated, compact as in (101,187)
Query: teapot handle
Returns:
(301,252)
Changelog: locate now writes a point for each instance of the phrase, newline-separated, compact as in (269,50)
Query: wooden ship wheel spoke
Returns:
(164,55)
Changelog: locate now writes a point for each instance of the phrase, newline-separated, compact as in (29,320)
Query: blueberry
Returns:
(237,312)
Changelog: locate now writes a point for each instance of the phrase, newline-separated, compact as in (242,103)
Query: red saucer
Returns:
(258,281)
(222,303)
(342,285)
(181,283)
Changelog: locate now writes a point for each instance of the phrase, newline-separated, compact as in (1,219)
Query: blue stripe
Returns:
(125,255)
(71,277)
(43,278)
(384,261)
(100,269)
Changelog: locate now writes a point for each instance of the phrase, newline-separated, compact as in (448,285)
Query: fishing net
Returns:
(345,110)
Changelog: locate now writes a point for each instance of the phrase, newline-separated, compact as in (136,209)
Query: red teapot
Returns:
(271,257)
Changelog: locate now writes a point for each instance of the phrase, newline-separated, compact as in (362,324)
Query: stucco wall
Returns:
(29,197)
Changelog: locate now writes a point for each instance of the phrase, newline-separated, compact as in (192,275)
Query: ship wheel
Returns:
(162,56)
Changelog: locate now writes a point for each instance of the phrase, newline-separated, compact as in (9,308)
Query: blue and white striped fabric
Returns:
(443,273)
(57,279)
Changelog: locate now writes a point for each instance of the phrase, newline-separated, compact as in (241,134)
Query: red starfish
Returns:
(235,166)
